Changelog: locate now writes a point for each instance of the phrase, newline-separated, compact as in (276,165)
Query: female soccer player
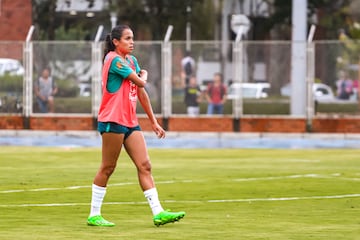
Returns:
(123,83)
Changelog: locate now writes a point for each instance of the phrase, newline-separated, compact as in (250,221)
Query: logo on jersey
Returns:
(119,65)
(133,87)
(133,92)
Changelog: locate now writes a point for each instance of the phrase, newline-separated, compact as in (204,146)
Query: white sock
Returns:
(153,200)
(97,197)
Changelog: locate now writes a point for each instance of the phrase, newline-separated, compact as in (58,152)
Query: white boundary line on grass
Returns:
(310,175)
(249,200)
(88,186)
(64,188)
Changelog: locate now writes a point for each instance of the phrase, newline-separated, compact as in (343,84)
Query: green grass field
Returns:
(226,193)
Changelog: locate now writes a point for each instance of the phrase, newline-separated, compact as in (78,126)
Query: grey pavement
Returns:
(186,139)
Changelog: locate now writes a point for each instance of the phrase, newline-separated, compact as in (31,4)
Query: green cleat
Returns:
(167,217)
(99,221)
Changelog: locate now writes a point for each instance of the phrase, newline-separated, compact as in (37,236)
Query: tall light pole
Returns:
(113,19)
(188,26)
(298,57)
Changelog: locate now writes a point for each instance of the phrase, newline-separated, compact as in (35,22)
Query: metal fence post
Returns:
(27,79)
(96,64)
(166,90)
(237,76)
(310,75)
(238,69)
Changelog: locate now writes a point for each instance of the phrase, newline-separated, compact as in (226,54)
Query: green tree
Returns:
(331,16)
(154,16)
(43,13)
(148,18)
(52,25)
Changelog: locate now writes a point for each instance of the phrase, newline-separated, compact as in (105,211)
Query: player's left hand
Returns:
(160,132)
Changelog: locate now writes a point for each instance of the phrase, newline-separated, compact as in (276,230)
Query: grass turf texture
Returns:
(248,184)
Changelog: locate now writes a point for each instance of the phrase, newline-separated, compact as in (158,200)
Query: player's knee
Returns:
(145,166)
(108,170)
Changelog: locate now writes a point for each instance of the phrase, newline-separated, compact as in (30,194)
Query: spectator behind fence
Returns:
(187,67)
(45,90)
(216,95)
(344,86)
(355,88)
(192,97)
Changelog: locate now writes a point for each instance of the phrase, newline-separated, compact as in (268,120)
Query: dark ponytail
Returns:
(116,33)
(109,46)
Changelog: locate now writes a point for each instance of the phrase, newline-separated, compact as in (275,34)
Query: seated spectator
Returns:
(355,88)
(45,90)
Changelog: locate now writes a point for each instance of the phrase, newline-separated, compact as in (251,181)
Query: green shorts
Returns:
(116,128)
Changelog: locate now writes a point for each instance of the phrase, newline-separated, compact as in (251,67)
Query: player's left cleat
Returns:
(167,217)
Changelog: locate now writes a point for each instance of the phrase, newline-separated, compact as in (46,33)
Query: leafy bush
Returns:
(10,83)
(67,88)
(73,105)
(270,106)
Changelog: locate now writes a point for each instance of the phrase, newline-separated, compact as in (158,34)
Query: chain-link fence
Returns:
(337,66)
(11,77)
(70,67)
(148,55)
(207,60)
(264,70)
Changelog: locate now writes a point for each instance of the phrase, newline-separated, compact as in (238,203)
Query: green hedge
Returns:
(68,101)
(73,105)
(271,106)
(67,88)
(11,84)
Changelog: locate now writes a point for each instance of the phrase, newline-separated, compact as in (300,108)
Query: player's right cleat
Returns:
(99,221)
(167,217)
